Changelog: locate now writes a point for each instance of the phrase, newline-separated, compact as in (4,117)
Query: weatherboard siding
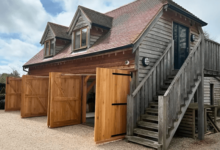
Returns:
(80,23)
(216,94)
(158,38)
(60,44)
(50,34)
(95,34)
(88,65)
(153,45)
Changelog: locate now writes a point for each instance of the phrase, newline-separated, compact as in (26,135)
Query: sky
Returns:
(24,21)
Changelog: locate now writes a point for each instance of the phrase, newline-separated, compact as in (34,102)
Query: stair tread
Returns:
(150,117)
(143,141)
(151,110)
(146,133)
(147,125)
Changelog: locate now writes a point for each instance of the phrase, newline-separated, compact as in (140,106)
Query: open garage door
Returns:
(13,94)
(34,96)
(112,88)
(64,100)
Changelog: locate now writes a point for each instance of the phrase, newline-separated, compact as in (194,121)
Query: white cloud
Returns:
(208,11)
(14,54)
(17,65)
(25,17)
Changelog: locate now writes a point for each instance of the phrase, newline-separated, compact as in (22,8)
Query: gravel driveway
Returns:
(33,134)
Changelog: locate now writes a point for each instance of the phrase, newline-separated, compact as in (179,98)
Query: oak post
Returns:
(162,121)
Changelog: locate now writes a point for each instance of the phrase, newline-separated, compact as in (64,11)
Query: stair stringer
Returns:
(183,110)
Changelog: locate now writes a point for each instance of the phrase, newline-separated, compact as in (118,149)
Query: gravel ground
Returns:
(33,134)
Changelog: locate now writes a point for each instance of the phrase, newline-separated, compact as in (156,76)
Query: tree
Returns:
(207,35)
(15,73)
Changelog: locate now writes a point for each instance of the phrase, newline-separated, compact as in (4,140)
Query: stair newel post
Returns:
(131,107)
(201,92)
(162,120)
(130,115)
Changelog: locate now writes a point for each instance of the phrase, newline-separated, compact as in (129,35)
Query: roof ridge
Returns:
(121,6)
(58,24)
(95,11)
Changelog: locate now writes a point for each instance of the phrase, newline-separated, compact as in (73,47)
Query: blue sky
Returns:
(23,23)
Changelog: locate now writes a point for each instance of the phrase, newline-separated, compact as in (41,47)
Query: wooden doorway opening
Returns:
(88,100)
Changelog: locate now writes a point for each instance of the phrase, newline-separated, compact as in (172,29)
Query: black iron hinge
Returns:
(121,74)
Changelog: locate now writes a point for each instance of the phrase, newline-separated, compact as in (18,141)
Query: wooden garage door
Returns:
(64,100)
(34,96)
(13,94)
(112,88)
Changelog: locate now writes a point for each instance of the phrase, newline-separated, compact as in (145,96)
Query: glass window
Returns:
(49,48)
(80,39)
(77,40)
(83,40)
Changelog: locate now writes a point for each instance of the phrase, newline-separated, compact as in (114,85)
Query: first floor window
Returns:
(49,48)
(80,39)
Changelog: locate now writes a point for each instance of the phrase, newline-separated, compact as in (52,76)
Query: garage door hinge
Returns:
(121,74)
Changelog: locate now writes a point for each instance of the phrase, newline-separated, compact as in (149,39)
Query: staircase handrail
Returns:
(183,67)
(152,70)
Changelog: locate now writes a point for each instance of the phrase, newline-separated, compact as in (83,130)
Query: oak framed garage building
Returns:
(138,67)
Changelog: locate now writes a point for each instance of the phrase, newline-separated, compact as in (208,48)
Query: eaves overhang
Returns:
(172,7)
(81,56)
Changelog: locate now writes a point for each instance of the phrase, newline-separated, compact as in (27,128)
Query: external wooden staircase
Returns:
(156,127)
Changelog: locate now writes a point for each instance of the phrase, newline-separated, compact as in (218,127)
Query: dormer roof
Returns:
(97,18)
(55,31)
(91,17)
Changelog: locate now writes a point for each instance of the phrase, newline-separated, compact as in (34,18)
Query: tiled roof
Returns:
(59,30)
(128,23)
(97,17)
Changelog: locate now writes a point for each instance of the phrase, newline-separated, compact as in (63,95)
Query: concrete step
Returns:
(143,141)
(146,133)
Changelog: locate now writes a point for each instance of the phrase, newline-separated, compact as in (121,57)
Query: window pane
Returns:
(77,40)
(47,49)
(51,47)
(84,33)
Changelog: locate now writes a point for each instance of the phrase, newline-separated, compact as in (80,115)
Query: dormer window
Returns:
(80,39)
(49,48)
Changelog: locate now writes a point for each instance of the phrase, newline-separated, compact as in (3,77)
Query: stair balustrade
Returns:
(149,86)
(174,103)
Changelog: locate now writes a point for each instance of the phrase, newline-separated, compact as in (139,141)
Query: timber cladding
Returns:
(112,89)
(34,96)
(87,65)
(64,100)
(13,94)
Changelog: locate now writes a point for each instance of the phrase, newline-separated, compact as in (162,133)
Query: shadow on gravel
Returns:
(206,141)
(42,119)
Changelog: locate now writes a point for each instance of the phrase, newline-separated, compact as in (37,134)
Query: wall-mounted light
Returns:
(193,37)
(127,62)
(145,62)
